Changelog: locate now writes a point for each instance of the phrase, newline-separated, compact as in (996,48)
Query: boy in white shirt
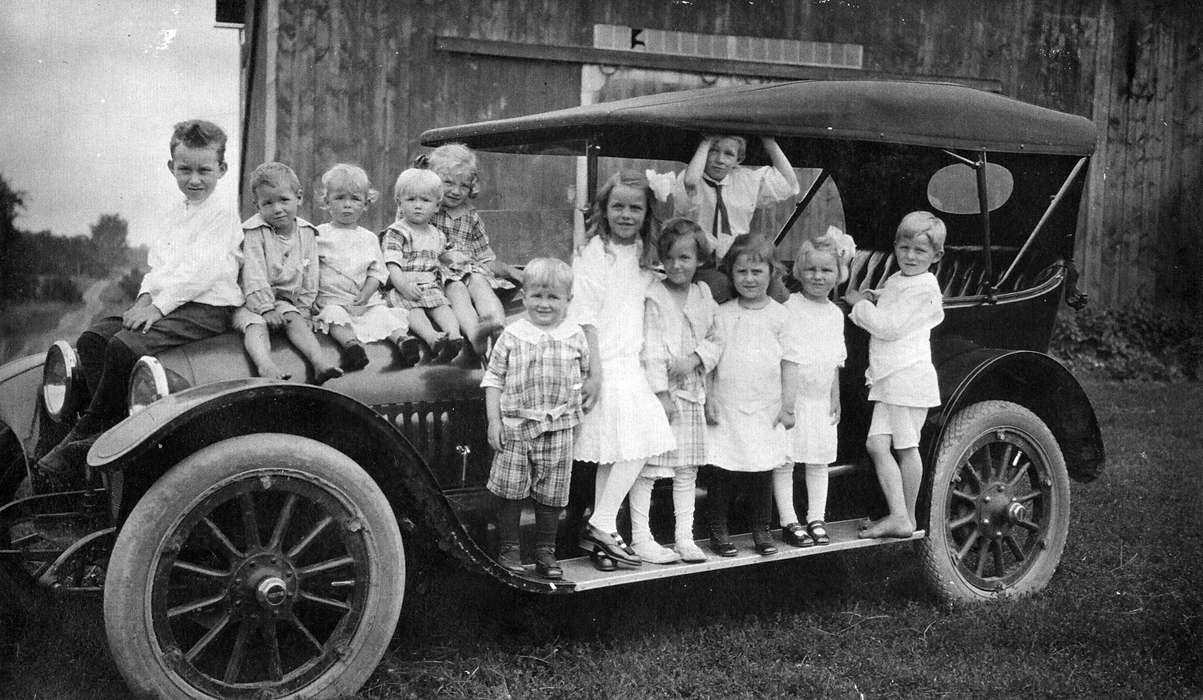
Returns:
(902,380)
(188,294)
(721,195)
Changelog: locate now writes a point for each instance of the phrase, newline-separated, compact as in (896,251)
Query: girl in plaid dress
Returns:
(470,267)
(680,346)
(627,426)
(411,252)
(533,399)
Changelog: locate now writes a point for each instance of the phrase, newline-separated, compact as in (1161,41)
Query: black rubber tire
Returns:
(165,532)
(979,546)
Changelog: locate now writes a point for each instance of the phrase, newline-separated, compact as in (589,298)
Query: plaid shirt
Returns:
(413,249)
(539,374)
(466,234)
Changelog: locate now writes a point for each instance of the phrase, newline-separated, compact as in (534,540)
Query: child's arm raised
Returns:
(692,178)
(780,162)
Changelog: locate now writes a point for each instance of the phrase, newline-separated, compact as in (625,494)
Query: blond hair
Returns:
(922,223)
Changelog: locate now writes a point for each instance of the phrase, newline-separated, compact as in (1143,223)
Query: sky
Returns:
(89,92)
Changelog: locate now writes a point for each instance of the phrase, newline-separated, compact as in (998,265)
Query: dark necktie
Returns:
(721,223)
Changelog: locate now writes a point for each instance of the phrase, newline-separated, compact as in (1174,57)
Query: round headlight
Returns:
(61,387)
(147,383)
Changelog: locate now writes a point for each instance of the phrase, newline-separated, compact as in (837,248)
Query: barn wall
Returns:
(359,80)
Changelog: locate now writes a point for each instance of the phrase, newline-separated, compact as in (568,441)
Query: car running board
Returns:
(581,575)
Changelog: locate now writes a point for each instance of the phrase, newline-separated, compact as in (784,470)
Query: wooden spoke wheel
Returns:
(999,505)
(261,566)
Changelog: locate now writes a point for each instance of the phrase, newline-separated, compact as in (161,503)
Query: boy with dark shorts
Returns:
(188,294)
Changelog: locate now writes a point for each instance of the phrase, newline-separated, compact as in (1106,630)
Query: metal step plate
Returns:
(580,574)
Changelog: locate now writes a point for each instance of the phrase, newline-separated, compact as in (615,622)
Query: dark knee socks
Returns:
(547,524)
(106,365)
(757,488)
(509,517)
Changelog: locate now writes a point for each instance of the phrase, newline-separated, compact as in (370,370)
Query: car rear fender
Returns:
(144,446)
(1033,380)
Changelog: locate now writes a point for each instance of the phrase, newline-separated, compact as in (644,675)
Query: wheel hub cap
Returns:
(272,592)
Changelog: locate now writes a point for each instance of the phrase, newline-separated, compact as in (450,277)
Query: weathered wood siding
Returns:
(359,80)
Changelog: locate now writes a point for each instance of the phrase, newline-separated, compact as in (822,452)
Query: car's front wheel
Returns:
(999,505)
(266,565)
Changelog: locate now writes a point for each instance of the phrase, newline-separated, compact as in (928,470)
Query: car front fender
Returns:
(140,449)
(20,387)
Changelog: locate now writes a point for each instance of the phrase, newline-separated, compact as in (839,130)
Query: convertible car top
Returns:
(915,113)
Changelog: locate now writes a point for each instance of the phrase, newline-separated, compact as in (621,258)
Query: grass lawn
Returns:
(1123,616)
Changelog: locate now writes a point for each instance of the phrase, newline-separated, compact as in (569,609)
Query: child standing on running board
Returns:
(901,377)
(351,270)
(680,347)
(819,329)
(628,425)
(752,398)
(533,398)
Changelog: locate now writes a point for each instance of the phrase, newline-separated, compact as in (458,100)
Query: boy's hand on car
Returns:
(854,295)
(496,440)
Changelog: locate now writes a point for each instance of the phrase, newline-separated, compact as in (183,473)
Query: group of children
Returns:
(277,272)
(627,360)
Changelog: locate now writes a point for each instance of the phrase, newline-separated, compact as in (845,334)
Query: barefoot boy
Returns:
(188,294)
(902,379)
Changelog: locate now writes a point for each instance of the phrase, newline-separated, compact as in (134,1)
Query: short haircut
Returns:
(552,273)
(198,133)
(923,223)
(822,244)
(349,176)
(740,142)
(681,229)
(757,248)
(274,174)
(417,181)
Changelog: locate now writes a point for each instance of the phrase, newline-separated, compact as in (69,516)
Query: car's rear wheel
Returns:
(999,505)
(265,565)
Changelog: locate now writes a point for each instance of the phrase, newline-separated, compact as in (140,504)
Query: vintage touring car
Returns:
(250,537)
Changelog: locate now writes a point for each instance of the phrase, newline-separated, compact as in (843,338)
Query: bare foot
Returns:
(321,375)
(866,523)
(888,527)
(270,371)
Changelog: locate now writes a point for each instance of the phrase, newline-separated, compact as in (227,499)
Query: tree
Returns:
(109,233)
(11,201)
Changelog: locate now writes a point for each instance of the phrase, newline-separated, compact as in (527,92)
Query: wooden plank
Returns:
(694,64)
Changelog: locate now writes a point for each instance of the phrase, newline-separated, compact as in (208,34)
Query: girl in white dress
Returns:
(819,324)
(752,399)
(680,347)
(351,271)
(626,424)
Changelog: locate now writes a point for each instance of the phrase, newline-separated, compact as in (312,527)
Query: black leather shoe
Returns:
(601,562)
(510,558)
(720,542)
(611,544)
(62,468)
(762,537)
(546,564)
(796,535)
